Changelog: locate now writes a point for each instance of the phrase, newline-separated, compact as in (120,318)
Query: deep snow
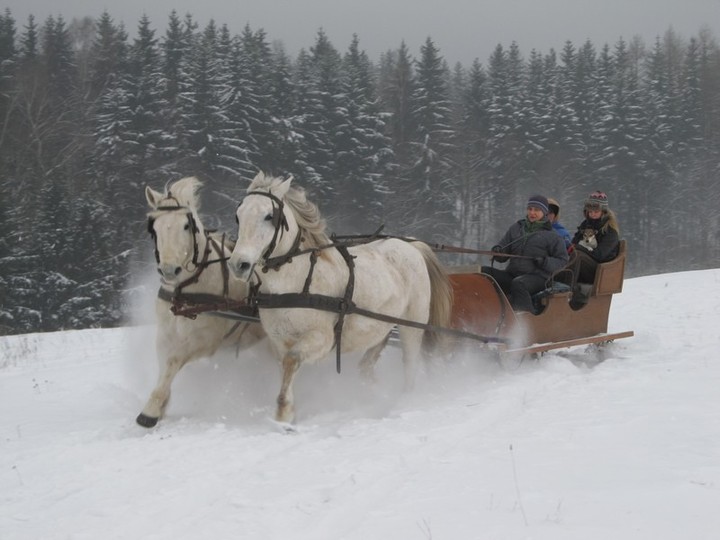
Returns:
(550,449)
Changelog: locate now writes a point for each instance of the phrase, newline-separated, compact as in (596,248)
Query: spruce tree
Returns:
(430,174)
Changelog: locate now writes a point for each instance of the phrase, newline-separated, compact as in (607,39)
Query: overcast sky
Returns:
(462,29)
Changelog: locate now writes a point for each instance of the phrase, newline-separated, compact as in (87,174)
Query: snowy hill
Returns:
(629,449)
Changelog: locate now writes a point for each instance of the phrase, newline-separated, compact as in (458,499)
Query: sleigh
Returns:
(480,307)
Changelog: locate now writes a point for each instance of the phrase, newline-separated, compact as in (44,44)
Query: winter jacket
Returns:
(563,232)
(544,244)
(608,239)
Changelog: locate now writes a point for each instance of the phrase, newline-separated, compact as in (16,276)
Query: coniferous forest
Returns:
(449,154)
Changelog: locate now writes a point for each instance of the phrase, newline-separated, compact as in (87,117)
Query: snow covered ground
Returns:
(628,449)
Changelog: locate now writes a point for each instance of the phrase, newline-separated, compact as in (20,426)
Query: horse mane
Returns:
(307,214)
(183,192)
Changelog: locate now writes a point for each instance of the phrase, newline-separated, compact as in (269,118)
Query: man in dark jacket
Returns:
(539,251)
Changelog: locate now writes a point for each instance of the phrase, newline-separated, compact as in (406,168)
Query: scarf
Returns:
(531,227)
(595,224)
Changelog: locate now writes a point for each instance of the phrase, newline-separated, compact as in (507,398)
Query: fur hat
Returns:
(597,198)
(553,206)
(538,201)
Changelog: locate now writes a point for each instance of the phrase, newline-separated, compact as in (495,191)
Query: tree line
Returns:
(447,154)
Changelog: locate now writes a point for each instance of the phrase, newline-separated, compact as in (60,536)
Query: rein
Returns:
(444,248)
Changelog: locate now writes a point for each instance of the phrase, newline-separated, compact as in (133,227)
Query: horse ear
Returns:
(259,177)
(153,197)
(283,187)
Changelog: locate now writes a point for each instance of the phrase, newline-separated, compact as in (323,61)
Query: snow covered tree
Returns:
(396,89)
(285,150)
(503,147)
(200,104)
(363,153)
(128,127)
(472,132)
(255,67)
(108,55)
(318,82)
(429,174)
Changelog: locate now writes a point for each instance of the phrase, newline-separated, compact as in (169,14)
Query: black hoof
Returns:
(146,421)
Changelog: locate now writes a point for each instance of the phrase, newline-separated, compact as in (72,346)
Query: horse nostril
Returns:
(178,270)
(159,271)
(245,266)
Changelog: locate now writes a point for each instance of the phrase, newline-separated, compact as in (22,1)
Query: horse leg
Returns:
(312,347)
(370,358)
(155,406)
(411,339)
(285,400)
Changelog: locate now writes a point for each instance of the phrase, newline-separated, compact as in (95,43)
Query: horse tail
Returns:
(441,299)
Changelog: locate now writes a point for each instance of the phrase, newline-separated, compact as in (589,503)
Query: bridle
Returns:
(191,223)
(280,224)
(198,265)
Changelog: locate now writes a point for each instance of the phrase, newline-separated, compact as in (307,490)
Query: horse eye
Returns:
(268,217)
(237,220)
(187,226)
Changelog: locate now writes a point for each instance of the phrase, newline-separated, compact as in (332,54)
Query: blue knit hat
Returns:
(538,201)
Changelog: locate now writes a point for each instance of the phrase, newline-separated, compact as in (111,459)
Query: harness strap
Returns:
(274,263)
(210,244)
(186,303)
(346,302)
(308,279)
(335,304)
(191,304)
(220,249)
(201,266)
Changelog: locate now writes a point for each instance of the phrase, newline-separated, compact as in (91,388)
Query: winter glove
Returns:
(498,258)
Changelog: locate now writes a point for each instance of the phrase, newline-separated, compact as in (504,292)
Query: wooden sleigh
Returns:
(481,307)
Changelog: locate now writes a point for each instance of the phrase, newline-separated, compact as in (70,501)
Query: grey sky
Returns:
(461,29)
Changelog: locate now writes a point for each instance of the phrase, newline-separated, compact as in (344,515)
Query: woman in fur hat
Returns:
(596,240)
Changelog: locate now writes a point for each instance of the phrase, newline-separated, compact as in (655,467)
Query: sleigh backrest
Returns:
(610,275)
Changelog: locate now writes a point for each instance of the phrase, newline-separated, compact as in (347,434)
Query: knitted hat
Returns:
(538,201)
(554,206)
(597,198)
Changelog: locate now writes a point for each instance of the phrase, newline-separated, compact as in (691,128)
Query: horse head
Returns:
(176,229)
(265,225)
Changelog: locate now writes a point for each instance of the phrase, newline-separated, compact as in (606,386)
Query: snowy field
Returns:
(552,449)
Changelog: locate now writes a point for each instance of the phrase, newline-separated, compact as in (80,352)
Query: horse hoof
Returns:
(146,421)
(284,427)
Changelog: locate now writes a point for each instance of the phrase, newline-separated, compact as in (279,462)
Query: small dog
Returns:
(589,241)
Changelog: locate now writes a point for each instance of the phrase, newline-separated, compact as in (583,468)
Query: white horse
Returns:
(276,227)
(191,261)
